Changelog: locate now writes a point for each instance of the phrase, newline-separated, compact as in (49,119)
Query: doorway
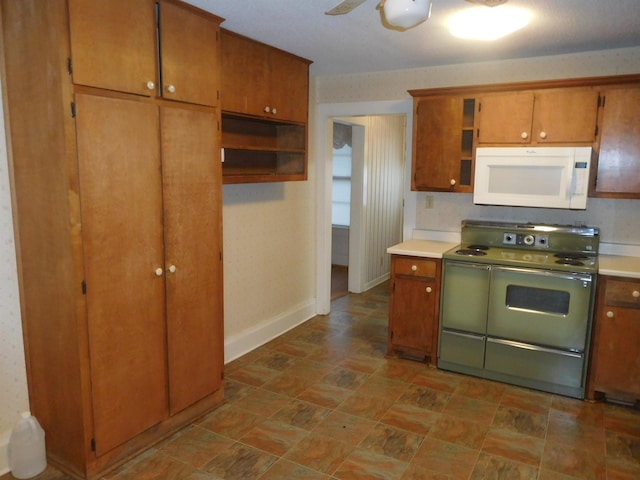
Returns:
(367,198)
(325,114)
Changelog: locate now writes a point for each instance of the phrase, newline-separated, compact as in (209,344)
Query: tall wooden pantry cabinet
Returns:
(113,128)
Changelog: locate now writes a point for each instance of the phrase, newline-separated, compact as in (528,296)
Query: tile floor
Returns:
(322,402)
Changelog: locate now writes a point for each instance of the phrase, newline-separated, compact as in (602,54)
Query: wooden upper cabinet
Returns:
(189,54)
(437,139)
(262,81)
(114,45)
(549,116)
(618,167)
(505,117)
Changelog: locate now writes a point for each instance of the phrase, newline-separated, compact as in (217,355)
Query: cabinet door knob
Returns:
(452,182)
(524,135)
(151,85)
(428,289)
(267,109)
(159,272)
(610,314)
(414,268)
(543,135)
(635,294)
(274,111)
(172,269)
(171,89)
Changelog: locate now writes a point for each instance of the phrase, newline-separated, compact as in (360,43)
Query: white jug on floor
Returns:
(26,451)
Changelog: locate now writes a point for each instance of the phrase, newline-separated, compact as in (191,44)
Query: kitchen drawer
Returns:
(622,293)
(534,363)
(416,267)
(462,348)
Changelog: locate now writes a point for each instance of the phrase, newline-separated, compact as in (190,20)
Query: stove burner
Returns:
(471,252)
(478,247)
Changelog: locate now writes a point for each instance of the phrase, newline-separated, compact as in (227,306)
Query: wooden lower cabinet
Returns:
(414,304)
(615,359)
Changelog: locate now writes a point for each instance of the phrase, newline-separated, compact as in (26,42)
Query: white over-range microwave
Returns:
(548,177)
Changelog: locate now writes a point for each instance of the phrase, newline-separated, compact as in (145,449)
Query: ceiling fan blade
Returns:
(344,7)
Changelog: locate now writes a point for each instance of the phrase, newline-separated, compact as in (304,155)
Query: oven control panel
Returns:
(525,239)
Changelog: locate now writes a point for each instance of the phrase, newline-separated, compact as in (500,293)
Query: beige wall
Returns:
(618,220)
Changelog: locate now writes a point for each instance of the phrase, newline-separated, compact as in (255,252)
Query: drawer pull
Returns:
(610,314)
(635,294)
(428,289)
(414,268)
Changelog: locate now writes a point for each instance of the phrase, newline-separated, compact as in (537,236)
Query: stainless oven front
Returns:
(524,326)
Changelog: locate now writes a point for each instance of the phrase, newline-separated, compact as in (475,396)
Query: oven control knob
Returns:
(529,240)
(610,314)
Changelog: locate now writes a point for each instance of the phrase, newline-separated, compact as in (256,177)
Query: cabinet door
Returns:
(437,134)
(244,85)
(619,157)
(505,117)
(289,86)
(193,227)
(190,60)
(412,314)
(121,208)
(617,361)
(113,44)
(565,115)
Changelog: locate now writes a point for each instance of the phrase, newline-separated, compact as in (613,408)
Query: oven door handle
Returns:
(472,336)
(536,348)
(583,277)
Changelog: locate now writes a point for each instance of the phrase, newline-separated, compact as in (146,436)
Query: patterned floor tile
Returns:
(392,442)
(367,465)
(240,462)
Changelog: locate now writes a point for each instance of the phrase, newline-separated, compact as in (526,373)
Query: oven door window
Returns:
(540,300)
(540,307)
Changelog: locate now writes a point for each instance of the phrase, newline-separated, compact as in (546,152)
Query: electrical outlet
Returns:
(428,202)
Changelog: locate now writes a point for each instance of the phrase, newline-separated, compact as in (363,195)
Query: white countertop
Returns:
(619,266)
(422,248)
(614,265)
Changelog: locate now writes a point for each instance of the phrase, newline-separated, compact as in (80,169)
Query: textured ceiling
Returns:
(358,41)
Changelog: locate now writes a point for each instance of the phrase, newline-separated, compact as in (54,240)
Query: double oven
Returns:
(517,304)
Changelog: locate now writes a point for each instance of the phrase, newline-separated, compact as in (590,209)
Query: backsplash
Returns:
(618,220)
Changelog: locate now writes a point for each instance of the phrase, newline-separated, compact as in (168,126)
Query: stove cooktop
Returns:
(569,262)
(551,247)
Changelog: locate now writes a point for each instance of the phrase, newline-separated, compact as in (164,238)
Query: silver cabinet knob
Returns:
(274,111)
(151,85)
(267,109)
(524,135)
(428,289)
(453,182)
(172,269)
(610,314)
(543,135)
(159,272)
(171,89)
(635,294)
(414,268)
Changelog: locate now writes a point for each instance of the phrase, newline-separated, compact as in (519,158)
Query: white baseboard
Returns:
(237,345)
(4,443)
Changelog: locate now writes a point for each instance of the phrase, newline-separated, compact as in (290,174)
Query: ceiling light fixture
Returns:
(406,14)
(481,23)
